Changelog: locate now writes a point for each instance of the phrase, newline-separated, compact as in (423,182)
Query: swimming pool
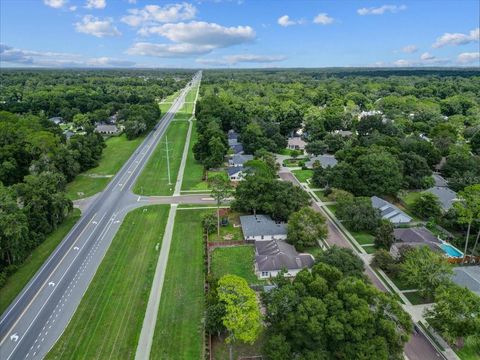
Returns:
(451,250)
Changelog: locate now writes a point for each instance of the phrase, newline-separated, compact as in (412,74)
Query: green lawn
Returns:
(228,232)
(115,154)
(236,260)
(193,176)
(179,328)
(410,197)
(321,195)
(332,208)
(191,94)
(471,350)
(416,299)
(164,107)
(17,281)
(363,237)
(287,152)
(303,175)
(154,179)
(108,321)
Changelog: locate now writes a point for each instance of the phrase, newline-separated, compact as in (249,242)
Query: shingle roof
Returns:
(468,276)
(237,149)
(106,128)
(240,159)
(445,195)
(234,170)
(439,181)
(261,225)
(416,235)
(388,211)
(232,135)
(276,255)
(324,160)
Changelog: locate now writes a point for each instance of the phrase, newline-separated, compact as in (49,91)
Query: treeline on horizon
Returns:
(37,160)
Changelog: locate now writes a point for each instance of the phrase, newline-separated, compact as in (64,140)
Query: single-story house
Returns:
(364,114)
(445,195)
(467,276)
(390,212)
(239,159)
(296,143)
(414,237)
(57,120)
(439,180)
(262,227)
(107,129)
(232,135)
(68,134)
(344,133)
(237,148)
(273,256)
(236,173)
(324,161)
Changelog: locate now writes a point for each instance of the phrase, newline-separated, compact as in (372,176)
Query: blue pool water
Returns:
(451,251)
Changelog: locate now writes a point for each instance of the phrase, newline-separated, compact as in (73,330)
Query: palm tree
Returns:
(468,210)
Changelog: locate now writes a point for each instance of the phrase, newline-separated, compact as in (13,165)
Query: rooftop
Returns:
(439,181)
(389,211)
(237,148)
(324,160)
(106,128)
(445,195)
(468,276)
(240,159)
(276,255)
(415,235)
(261,225)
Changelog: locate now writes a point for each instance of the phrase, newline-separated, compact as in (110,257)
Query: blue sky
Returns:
(245,33)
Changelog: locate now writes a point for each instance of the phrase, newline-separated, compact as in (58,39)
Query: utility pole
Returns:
(168,160)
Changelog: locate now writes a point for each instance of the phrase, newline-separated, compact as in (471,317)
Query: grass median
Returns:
(17,281)
(154,178)
(115,154)
(179,330)
(109,319)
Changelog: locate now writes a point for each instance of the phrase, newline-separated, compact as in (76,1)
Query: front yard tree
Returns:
(456,313)
(357,213)
(209,223)
(242,315)
(384,235)
(305,227)
(425,270)
(221,189)
(343,259)
(468,209)
(427,206)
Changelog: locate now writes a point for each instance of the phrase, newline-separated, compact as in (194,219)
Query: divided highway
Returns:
(38,316)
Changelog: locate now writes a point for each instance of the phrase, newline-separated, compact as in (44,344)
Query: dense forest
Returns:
(389,130)
(37,159)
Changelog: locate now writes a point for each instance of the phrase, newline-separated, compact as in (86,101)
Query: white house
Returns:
(236,173)
(273,256)
(390,212)
(262,228)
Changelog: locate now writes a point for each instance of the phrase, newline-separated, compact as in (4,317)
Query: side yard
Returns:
(116,300)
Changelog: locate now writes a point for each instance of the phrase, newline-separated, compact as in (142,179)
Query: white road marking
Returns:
(14,337)
(51,283)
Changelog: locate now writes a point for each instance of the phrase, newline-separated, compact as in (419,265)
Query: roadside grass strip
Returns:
(179,329)
(17,281)
(108,321)
(303,175)
(154,178)
(193,176)
(115,154)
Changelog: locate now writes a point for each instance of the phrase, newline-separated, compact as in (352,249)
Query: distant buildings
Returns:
(106,129)
(390,212)
(239,159)
(57,120)
(323,160)
(445,195)
(233,143)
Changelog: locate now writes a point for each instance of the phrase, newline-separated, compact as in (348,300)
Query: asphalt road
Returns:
(418,347)
(40,313)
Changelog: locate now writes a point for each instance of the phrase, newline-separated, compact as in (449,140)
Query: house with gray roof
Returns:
(323,160)
(439,180)
(273,256)
(468,276)
(237,148)
(262,228)
(445,195)
(414,237)
(296,143)
(239,159)
(390,212)
(236,173)
(107,129)
(57,120)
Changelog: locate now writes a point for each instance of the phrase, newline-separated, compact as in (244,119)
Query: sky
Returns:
(239,33)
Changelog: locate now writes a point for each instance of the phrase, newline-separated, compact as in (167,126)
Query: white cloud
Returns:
(168,50)
(97,27)
(33,58)
(96,4)
(285,21)
(410,49)
(403,63)
(72,8)
(457,38)
(468,58)
(242,58)
(152,14)
(323,19)
(381,10)
(202,33)
(132,1)
(427,56)
(57,4)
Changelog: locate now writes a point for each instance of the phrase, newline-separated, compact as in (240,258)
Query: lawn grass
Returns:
(471,349)
(321,195)
(228,232)
(332,208)
(287,152)
(315,251)
(416,299)
(179,330)
(363,237)
(17,281)
(235,260)
(114,155)
(108,321)
(303,175)
(399,282)
(154,179)
(409,197)
(193,176)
